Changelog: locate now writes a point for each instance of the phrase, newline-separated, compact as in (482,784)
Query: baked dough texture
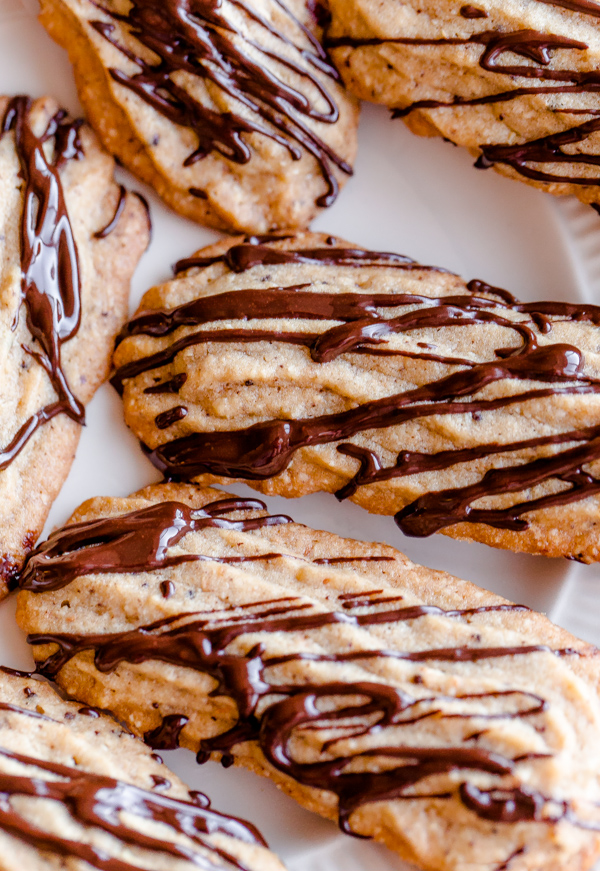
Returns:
(514,82)
(231,111)
(63,297)
(414,707)
(304,364)
(80,792)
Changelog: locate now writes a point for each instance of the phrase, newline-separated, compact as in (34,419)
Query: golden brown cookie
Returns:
(70,240)
(231,110)
(415,708)
(303,364)
(516,83)
(78,791)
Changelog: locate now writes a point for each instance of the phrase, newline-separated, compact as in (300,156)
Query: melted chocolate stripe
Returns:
(547,149)
(584,7)
(201,645)
(204,43)
(531,45)
(134,542)
(266,449)
(201,642)
(294,302)
(414,462)
(112,224)
(97,802)
(240,258)
(432,513)
(365,331)
(50,284)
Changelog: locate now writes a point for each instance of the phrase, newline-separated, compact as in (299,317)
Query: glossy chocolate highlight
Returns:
(50,284)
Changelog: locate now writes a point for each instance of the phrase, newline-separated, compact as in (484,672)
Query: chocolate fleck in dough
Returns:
(410,706)
(69,243)
(516,83)
(300,363)
(80,792)
(232,110)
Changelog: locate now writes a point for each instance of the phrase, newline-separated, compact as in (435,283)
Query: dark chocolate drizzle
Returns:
(174,385)
(98,802)
(166,736)
(167,589)
(583,7)
(134,542)
(195,37)
(266,449)
(527,158)
(170,417)
(50,285)
(469,11)
(112,224)
(546,149)
(272,713)
(253,252)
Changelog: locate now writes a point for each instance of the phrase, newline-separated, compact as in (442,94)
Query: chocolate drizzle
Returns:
(50,285)
(252,252)
(98,802)
(583,7)
(196,37)
(273,712)
(112,224)
(266,449)
(166,737)
(134,542)
(469,11)
(170,417)
(547,149)
(533,158)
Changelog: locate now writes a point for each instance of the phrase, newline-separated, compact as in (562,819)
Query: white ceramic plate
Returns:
(412,195)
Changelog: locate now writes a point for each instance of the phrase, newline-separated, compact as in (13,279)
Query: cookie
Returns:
(303,364)
(232,111)
(70,240)
(516,83)
(79,791)
(413,707)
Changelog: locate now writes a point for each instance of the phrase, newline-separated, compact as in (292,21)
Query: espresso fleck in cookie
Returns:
(70,240)
(412,707)
(80,792)
(304,364)
(231,110)
(516,83)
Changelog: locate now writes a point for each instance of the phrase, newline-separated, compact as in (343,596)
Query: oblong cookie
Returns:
(516,83)
(231,110)
(70,239)
(302,364)
(415,708)
(78,791)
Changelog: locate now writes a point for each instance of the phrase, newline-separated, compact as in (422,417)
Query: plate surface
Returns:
(420,197)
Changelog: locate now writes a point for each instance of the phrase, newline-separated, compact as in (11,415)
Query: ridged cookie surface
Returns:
(302,364)
(231,110)
(69,243)
(455,727)
(78,792)
(515,82)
